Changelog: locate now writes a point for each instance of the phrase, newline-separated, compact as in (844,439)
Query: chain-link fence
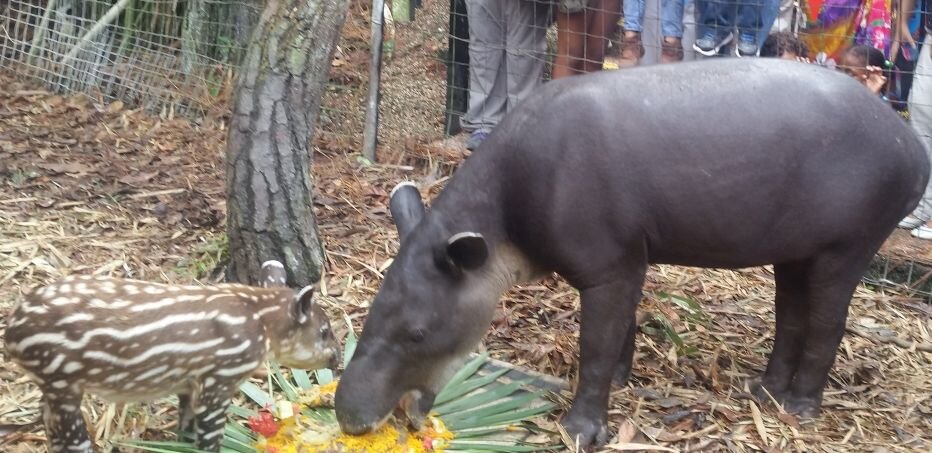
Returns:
(167,56)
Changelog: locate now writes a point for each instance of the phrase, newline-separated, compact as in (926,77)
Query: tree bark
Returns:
(276,104)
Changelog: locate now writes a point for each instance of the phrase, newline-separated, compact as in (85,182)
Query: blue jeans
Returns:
(768,15)
(671,16)
(722,16)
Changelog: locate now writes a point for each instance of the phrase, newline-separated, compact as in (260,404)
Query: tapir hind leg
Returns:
(607,309)
(832,279)
(792,312)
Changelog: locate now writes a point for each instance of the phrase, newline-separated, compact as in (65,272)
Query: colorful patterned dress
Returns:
(834,25)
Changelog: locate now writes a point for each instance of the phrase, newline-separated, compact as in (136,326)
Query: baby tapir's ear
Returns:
(273,274)
(467,250)
(406,207)
(304,303)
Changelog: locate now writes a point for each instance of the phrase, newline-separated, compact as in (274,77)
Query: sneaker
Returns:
(923,232)
(711,42)
(910,222)
(747,45)
(476,139)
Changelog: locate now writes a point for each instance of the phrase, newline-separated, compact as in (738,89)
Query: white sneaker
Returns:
(911,222)
(923,232)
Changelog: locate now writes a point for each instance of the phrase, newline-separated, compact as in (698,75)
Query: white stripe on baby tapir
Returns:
(234,350)
(61,339)
(173,373)
(160,349)
(267,310)
(116,377)
(62,300)
(153,372)
(115,305)
(71,367)
(218,296)
(56,362)
(215,413)
(238,370)
(77,317)
(231,320)
(166,302)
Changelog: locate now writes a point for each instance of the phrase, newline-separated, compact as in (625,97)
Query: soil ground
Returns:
(92,188)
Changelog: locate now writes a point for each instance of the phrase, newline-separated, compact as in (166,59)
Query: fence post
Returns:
(371,131)
(457,67)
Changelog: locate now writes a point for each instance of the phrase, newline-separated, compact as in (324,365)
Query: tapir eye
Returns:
(416,335)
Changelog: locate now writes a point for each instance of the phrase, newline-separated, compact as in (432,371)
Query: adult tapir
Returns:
(724,163)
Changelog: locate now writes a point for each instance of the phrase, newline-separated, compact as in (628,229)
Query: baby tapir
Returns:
(127,340)
(723,163)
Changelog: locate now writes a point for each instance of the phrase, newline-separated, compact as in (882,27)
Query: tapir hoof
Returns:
(760,391)
(805,408)
(585,432)
(622,374)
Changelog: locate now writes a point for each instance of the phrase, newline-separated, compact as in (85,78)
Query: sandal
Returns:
(671,50)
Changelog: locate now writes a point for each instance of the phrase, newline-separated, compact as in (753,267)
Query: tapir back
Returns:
(687,153)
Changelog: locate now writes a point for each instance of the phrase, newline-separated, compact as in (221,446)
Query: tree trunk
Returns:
(276,104)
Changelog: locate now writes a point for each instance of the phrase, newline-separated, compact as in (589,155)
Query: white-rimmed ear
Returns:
(467,250)
(303,303)
(273,274)
(406,207)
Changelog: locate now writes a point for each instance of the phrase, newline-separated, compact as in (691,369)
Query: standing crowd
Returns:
(884,44)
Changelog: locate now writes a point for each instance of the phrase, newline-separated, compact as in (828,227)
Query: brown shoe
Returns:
(632,50)
(671,50)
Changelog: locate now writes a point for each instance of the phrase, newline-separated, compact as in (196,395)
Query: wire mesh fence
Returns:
(162,55)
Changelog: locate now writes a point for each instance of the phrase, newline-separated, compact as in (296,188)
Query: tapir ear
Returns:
(406,207)
(304,303)
(467,250)
(272,274)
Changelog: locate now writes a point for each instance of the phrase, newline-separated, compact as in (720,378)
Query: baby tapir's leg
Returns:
(64,423)
(185,415)
(210,417)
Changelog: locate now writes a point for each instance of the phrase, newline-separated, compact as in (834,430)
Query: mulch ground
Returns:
(92,188)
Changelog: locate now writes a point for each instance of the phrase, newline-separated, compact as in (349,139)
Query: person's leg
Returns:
(571,41)
(487,94)
(713,25)
(671,26)
(768,17)
(920,117)
(526,46)
(632,46)
(748,21)
(601,22)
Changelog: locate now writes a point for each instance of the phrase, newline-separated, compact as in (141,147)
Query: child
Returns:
(868,66)
(671,25)
(786,45)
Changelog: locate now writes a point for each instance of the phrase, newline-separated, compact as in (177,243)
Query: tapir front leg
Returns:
(64,424)
(607,310)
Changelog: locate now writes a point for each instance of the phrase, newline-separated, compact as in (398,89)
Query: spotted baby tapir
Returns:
(127,340)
